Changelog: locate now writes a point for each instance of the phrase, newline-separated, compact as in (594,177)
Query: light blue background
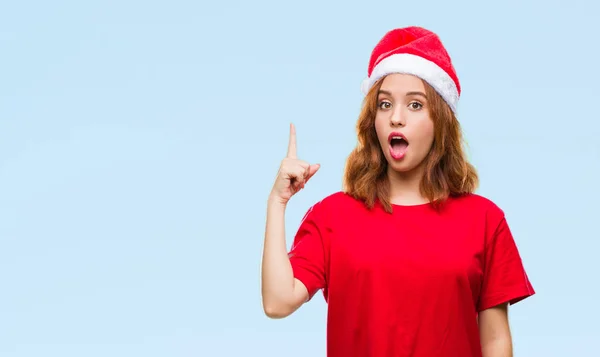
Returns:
(139,141)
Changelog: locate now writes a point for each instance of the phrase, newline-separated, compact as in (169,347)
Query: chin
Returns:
(401,166)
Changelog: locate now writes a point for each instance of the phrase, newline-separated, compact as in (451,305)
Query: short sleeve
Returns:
(504,279)
(307,254)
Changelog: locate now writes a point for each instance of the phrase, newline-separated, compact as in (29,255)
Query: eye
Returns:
(385,105)
(415,105)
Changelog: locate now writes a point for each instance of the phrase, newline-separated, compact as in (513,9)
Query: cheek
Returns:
(426,134)
(380,128)
(429,133)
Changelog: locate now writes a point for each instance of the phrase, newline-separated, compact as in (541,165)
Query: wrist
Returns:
(276,201)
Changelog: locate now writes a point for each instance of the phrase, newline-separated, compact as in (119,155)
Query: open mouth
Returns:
(398,146)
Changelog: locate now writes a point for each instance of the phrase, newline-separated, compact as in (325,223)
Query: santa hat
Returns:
(417,51)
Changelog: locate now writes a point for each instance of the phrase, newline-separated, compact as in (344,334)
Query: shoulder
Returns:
(335,201)
(340,198)
(481,214)
(335,204)
(476,205)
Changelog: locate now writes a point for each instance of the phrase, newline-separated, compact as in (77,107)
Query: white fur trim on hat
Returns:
(417,66)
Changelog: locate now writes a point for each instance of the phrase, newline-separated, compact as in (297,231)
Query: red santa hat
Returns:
(417,51)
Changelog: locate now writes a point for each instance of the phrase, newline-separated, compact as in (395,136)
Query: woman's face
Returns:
(403,124)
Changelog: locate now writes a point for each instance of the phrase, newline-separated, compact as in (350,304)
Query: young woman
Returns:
(410,260)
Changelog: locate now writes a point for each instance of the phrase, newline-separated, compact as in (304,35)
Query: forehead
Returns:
(399,83)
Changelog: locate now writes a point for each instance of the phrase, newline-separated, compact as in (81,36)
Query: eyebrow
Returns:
(381,91)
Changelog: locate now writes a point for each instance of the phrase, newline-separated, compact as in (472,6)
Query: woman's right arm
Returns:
(282,294)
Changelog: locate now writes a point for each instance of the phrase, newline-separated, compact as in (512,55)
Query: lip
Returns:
(395,134)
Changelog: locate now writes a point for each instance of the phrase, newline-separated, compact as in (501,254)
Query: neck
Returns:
(405,187)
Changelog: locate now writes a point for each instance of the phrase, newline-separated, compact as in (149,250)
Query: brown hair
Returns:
(447,171)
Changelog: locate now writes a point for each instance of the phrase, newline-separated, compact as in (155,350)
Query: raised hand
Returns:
(293,173)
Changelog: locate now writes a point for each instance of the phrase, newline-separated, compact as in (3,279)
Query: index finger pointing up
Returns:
(292,144)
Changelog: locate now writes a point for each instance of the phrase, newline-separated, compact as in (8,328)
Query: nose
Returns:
(397,118)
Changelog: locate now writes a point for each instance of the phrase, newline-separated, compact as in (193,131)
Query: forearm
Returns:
(498,347)
(277,273)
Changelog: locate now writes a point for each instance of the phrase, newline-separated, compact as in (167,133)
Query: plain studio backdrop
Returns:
(139,141)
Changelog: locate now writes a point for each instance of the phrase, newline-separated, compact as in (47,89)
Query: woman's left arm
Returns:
(496,340)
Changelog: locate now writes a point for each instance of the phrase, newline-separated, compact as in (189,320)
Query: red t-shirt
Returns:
(410,283)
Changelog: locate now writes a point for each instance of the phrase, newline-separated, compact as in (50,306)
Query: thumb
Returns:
(312,170)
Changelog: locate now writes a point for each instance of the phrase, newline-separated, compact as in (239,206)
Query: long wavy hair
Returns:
(447,171)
